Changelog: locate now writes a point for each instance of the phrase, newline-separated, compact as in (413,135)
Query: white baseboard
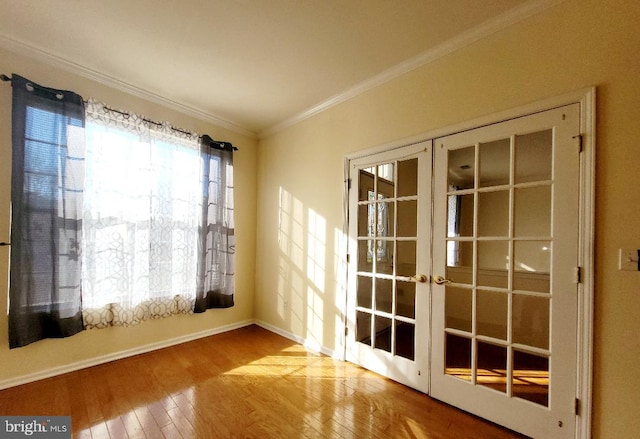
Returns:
(54,371)
(309,344)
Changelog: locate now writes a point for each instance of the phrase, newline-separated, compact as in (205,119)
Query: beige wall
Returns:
(300,172)
(577,44)
(44,355)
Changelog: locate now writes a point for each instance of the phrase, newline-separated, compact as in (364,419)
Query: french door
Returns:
(388,303)
(491,220)
(505,296)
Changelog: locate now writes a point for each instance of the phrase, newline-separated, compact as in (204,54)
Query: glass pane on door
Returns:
(363,327)
(458,304)
(532,214)
(383,333)
(406,299)
(407,178)
(405,339)
(491,370)
(407,218)
(494,163)
(458,356)
(384,295)
(531,377)
(533,156)
(531,320)
(493,213)
(461,168)
(364,292)
(491,314)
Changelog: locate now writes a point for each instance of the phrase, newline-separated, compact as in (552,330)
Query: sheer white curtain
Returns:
(142,212)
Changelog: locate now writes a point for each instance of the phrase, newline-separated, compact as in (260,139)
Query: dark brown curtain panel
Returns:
(217,240)
(46,222)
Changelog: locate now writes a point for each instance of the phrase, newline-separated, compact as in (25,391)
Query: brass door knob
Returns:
(439,280)
(421,278)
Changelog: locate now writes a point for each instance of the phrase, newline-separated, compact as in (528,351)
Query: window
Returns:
(152,227)
(142,213)
(115,218)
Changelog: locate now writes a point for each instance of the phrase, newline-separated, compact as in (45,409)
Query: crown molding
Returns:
(454,44)
(465,39)
(53,60)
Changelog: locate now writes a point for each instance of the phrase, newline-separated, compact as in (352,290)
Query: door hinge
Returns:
(578,275)
(346,331)
(576,407)
(348,258)
(580,138)
(348,183)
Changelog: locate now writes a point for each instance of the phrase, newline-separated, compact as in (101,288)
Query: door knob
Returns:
(422,278)
(439,280)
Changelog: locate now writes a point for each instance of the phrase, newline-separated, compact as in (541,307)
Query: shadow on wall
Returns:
(312,275)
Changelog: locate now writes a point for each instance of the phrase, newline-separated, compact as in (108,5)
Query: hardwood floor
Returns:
(247,383)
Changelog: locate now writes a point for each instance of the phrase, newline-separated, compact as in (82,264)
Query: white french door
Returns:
(505,255)
(388,303)
(490,218)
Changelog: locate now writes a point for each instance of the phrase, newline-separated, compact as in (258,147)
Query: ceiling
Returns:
(250,64)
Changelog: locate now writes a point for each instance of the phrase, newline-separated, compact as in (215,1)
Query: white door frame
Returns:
(586,260)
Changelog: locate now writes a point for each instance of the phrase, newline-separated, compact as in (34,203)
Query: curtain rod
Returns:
(205,138)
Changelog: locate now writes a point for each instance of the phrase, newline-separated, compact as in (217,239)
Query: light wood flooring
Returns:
(247,383)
